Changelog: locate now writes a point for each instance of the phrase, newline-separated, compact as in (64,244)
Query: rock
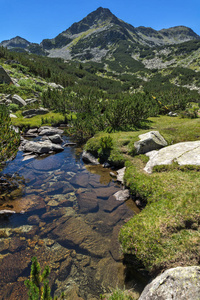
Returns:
(87,202)
(32,100)
(69,144)
(176,283)
(18,100)
(52,162)
(56,138)
(122,195)
(47,130)
(31,133)
(186,153)
(80,179)
(7,212)
(149,141)
(106,165)
(41,147)
(120,175)
(75,232)
(33,220)
(55,86)
(88,157)
(112,174)
(34,112)
(21,205)
(32,130)
(13,116)
(171,114)
(27,157)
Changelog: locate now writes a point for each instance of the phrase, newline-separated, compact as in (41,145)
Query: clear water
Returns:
(67,217)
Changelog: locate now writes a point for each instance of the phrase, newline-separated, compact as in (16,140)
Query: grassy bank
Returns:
(52,118)
(167,232)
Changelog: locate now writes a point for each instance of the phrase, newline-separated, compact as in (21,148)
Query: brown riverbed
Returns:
(66,216)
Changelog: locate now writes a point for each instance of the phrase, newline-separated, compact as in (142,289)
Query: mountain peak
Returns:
(17,41)
(93,19)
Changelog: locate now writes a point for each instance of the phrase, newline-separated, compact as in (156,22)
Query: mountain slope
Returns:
(98,35)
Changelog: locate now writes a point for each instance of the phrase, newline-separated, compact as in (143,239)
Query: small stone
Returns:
(122,195)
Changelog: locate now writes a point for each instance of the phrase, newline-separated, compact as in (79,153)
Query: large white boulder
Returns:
(185,153)
(177,283)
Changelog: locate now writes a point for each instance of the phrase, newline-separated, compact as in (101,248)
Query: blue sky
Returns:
(39,19)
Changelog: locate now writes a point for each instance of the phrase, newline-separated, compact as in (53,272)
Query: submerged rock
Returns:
(176,283)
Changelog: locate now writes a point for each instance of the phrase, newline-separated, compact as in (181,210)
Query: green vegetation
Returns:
(115,101)
(51,118)
(38,284)
(119,294)
(9,139)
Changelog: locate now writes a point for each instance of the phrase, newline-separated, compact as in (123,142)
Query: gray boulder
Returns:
(122,195)
(185,153)
(18,100)
(34,112)
(88,157)
(149,141)
(47,130)
(40,147)
(177,283)
(56,138)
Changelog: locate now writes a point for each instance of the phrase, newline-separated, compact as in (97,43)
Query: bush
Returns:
(9,139)
(13,107)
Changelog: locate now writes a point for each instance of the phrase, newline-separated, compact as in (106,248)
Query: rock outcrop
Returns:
(185,153)
(176,283)
(149,141)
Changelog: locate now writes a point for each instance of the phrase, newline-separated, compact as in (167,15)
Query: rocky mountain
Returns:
(98,35)
(16,42)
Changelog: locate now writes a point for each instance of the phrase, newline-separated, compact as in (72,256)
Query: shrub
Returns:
(13,107)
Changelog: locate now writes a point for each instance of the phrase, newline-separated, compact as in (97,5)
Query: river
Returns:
(66,216)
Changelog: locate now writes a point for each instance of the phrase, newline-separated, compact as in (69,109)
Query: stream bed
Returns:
(65,214)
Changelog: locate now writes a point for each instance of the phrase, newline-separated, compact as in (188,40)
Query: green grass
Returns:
(166,233)
(48,119)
